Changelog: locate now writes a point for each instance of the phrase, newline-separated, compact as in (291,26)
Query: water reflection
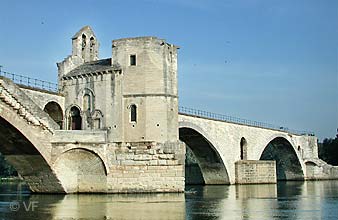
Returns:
(286,200)
(231,202)
(137,206)
(207,202)
(91,206)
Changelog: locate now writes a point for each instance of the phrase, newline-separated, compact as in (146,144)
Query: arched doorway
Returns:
(288,166)
(203,163)
(54,110)
(75,119)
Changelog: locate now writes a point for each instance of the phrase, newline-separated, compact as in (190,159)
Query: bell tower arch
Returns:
(85,48)
(85,45)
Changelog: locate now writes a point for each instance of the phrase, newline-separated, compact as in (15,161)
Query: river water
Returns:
(286,200)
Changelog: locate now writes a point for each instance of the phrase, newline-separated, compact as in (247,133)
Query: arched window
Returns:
(92,48)
(133,113)
(86,102)
(75,120)
(97,117)
(55,112)
(92,42)
(83,44)
(243,149)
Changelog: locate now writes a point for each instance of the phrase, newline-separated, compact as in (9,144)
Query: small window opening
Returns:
(132,60)
(92,42)
(84,43)
(91,48)
(133,113)
(86,102)
(243,145)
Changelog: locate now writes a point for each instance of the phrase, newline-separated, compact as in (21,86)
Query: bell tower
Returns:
(85,45)
(85,48)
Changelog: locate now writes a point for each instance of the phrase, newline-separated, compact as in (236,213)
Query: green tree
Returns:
(328,150)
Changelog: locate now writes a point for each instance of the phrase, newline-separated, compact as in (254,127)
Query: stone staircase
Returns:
(12,95)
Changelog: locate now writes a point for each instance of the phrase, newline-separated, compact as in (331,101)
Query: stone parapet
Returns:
(80,136)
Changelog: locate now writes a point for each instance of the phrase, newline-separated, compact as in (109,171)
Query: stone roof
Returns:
(84,29)
(91,67)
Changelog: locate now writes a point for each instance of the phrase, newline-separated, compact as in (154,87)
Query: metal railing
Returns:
(30,82)
(53,87)
(231,119)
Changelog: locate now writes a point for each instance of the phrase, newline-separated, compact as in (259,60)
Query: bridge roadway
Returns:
(63,161)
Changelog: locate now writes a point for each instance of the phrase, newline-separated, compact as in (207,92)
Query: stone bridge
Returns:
(219,145)
(114,126)
(53,160)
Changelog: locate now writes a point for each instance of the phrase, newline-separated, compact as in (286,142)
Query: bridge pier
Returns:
(255,171)
(91,164)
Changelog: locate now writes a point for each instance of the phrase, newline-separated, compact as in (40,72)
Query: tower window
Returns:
(133,60)
(91,48)
(86,102)
(83,41)
(83,44)
(133,113)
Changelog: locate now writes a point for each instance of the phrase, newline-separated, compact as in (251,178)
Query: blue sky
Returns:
(265,60)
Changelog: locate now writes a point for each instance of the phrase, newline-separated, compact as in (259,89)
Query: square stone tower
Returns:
(148,87)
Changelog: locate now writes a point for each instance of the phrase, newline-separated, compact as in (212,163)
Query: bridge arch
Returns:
(54,110)
(210,162)
(81,170)
(289,165)
(93,150)
(27,149)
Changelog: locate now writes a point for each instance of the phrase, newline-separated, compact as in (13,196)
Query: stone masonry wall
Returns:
(127,167)
(147,167)
(251,172)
